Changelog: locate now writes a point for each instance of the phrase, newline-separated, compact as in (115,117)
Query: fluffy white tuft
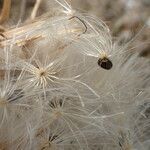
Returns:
(65,85)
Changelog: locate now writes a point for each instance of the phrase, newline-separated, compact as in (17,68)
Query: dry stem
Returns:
(35,9)
(5,11)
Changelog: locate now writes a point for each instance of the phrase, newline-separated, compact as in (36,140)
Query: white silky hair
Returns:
(73,103)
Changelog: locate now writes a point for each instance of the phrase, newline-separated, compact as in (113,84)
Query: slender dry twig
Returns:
(35,9)
(22,34)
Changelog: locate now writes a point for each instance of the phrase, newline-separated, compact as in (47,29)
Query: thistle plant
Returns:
(66,84)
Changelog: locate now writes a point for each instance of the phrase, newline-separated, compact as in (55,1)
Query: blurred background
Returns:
(126,19)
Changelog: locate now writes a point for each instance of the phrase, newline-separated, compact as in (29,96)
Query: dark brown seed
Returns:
(105,63)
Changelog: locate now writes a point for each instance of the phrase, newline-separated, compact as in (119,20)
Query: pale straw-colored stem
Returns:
(35,9)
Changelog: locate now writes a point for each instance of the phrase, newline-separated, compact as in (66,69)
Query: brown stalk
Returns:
(5,11)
